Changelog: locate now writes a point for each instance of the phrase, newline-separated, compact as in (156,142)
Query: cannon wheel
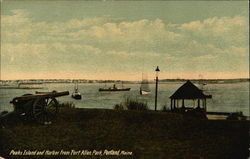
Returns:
(45,110)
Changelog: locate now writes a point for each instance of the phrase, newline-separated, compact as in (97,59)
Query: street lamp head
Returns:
(157,69)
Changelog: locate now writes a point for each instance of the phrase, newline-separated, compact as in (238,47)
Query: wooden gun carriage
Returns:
(42,106)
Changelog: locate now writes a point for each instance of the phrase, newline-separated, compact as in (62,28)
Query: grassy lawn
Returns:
(147,134)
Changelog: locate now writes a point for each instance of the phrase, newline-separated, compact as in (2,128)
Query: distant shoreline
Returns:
(236,80)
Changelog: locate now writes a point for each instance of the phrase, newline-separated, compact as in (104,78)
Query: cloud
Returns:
(76,23)
(136,35)
(215,26)
(142,31)
(237,51)
(18,17)
(23,49)
(138,54)
(205,57)
(99,38)
(229,30)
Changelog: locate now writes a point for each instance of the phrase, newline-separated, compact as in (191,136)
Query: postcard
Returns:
(124,79)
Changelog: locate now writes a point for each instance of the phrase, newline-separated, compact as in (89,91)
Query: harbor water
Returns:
(226,97)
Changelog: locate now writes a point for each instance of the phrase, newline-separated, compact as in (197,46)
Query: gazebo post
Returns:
(171,104)
(205,105)
(183,103)
(202,104)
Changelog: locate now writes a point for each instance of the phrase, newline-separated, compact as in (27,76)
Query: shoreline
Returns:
(162,81)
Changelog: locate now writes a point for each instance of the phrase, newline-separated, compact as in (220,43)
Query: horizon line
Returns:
(126,80)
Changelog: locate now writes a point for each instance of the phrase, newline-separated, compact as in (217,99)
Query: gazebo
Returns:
(188,91)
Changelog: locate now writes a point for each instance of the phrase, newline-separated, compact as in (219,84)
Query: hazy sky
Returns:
(122,39)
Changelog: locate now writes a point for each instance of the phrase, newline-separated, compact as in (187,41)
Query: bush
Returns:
(164,108)
(236,116)
(3,112)
(67,105)
(118,107)
(196,113)
(131,104)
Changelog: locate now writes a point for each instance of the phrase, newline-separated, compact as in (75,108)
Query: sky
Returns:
(120,40)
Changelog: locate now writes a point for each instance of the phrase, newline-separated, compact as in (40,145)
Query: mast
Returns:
(201,82)
(74,85)
(77,85)
(144,83)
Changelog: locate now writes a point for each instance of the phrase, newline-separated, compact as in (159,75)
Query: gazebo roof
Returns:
(189,91)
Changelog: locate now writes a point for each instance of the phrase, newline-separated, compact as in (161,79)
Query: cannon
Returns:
(42,106)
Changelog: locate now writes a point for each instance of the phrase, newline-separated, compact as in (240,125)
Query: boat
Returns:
(76,94)
(144,88)
(113,89)
(201,82)
(143,92)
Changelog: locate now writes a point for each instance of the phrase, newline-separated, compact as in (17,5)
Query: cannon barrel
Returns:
(41,94)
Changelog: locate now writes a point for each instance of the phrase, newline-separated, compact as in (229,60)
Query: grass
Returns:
(147,134)
(66,105)
(131,104)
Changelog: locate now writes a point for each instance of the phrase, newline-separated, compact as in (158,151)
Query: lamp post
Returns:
(157,70)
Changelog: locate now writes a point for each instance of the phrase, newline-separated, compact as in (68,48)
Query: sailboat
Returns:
(76,94)
(201,82)
(144,88)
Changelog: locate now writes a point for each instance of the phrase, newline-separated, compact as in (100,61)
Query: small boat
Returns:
(201,82)
(76,94)
(143,92)
(144,88)
(113,89)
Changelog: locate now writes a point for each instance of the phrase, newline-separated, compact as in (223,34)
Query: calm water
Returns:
(226,97)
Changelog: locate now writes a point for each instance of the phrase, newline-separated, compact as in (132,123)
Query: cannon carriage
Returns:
(42,106)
